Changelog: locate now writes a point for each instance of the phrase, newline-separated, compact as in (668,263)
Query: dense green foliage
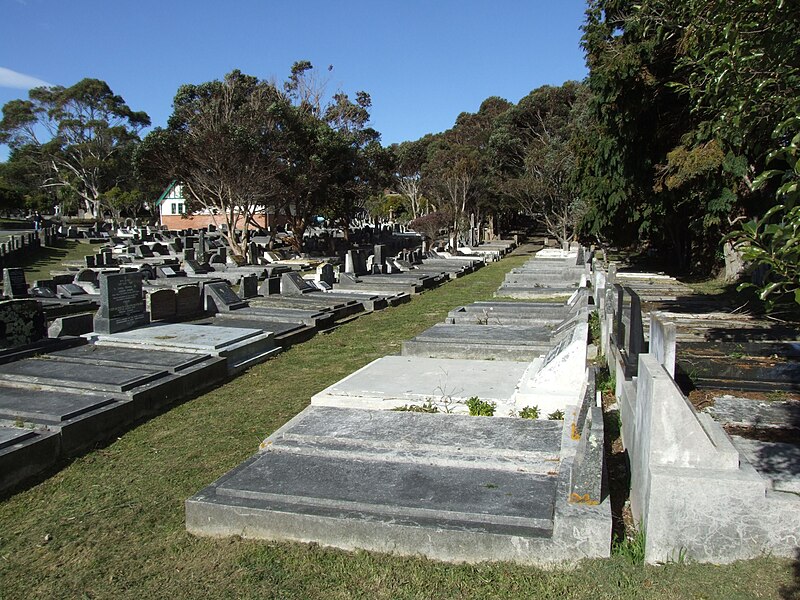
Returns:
(74,141)
(685,98)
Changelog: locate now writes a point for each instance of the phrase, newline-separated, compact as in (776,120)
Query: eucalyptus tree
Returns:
(225,143)
(78,138)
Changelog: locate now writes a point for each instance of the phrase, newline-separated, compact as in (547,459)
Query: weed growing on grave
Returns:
(427,407)
(529,412)
(479,408)
(630,547)
(594,328)
(777,396)
(605,381)
(556,415)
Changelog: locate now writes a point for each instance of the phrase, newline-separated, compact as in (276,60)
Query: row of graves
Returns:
(91,351)
(710,408)
(390,459)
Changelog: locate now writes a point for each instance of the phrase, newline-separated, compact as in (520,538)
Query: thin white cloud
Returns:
(19,81)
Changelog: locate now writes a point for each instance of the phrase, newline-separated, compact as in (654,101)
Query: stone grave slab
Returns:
(105,378)
(70,290)
(499,342)
(107,355)
(395,381)
(777,462)
(25,453)
(312,318)
(407,483)
(242,348)
(83,419)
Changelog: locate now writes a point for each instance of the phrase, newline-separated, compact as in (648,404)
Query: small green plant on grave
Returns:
(18,422)
(529,412)
(556,415)
(630,547)
(605,381)
(479,408)
(777,396)
(427,407)
(594,328)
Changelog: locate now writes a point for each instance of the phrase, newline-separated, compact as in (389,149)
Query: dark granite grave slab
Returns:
(25,453)
(91,377)
(102,355)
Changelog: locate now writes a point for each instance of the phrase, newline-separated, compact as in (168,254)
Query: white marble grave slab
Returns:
(394,381)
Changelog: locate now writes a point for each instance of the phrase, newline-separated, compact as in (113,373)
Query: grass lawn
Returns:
(110,524)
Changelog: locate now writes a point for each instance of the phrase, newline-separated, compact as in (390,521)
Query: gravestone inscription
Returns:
(122,305)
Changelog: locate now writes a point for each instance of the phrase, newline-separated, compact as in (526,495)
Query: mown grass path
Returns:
(110,524)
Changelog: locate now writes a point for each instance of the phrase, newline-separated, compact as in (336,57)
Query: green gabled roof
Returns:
(166,191)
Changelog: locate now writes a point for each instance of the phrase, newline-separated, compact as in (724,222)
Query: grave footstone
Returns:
(143,251)
(122,305)
(166,271)
(192,267)
(14,284)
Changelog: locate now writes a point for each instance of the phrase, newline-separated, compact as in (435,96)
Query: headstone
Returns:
(325,273)
(219,297)
(380,255)
(162,304)
(71,325)
(294,285)
(350,262)
(188,302)
(90,261)
(192,267)
(270,286)
(143,251)
(22,322)
(14,284)
(189,254)
(121,303)
(248,286)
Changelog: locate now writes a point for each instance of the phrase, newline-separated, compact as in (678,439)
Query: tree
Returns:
(532,147)
(225,144)
(88,131)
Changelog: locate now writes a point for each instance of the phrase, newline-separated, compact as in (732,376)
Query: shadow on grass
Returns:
(792,592)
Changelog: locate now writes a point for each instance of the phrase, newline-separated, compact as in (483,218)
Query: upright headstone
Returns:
(14,284)
(162,304)
(248,286)
(270,286)
(381,253)
(122,305)
(325,273)
(188,302)
(350,262)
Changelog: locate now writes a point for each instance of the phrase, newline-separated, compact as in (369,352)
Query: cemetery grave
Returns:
(714,469)
(368,466)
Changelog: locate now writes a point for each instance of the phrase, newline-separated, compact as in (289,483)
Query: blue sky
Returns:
(423,62)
